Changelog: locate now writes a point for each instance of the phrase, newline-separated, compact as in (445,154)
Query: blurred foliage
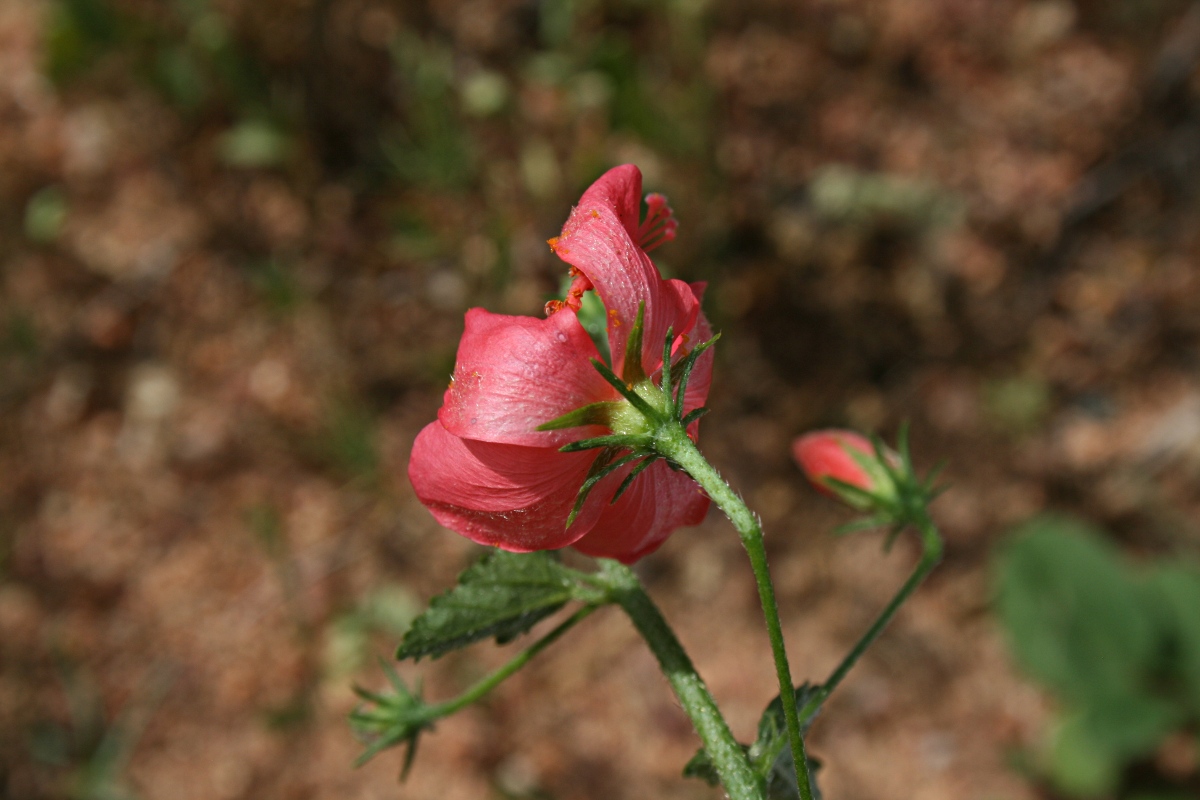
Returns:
(89,750)
(1018,404)
(1118,647)
(45,214)
(846,195)
(348,441)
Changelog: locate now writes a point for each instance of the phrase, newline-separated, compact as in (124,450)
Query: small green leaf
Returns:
(502,596)
(254,143)
(770,755)
(45,214)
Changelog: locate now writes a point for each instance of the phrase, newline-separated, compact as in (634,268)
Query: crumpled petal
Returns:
(508,496)
(600,239)
(515,373)
(659,501)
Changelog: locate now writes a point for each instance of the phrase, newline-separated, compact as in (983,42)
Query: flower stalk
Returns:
(729,758)
(674,444)
(931,555)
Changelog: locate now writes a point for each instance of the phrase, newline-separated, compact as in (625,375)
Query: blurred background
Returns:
(236,243)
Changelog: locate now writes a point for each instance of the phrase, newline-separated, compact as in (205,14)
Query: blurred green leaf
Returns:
(843,194)
(350,440)
(1076,619)
(266,524)
(1018,404)
(45,214)
(1079,765)
(1120,648)
(20,336)
(431,146)
(180,77)
(254,143)
(77,32)
(484,93)
(1175,590)
(275,284)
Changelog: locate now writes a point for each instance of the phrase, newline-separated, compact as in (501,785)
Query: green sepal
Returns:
(386,720)
(592,414)
(601,468)
(693,415)
(632,371)
(665,382)
(633,473)
(502,596)
(864,524)
(625,390)
(616,440)
(685,371)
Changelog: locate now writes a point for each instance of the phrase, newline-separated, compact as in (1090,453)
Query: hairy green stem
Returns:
(491,681)
(672,442)
(727,755)
(931,554)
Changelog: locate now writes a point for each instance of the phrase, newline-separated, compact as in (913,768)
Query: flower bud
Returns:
(845,466)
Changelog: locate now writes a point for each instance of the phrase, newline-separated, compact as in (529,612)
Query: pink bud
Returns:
(824,454)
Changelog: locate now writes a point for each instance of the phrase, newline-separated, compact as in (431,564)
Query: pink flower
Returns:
(485,471)
(844,456)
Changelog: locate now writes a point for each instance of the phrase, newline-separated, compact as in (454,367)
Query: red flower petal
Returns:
(514,373)
(504,495)
(600,239)
(659,501)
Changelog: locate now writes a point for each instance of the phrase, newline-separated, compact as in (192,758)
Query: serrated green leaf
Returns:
(770,755)
(782,783)
(502,596)
(701,767)
(772,725)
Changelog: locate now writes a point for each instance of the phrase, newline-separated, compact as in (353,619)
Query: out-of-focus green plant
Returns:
(186,52)
(845,195)
(430,146)
(90,751)
(1117,645)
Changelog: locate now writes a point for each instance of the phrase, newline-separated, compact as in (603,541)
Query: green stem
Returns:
(672,442)
(931,543)
(477,691)
(727,755)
